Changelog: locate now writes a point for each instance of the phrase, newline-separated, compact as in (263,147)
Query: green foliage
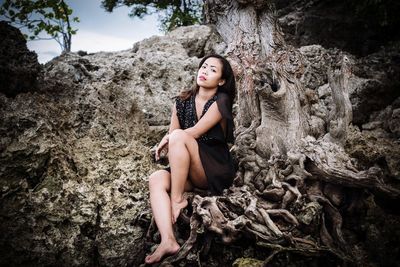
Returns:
(173,13)
(50,16)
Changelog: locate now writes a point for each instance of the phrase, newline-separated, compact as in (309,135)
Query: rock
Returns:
(335,24)
(73,178)
(372,147)
(394,123)
(75,153)
(375,82)
(198,40)
(153,72)
(247,262)
(374,75)
(317,60)
(372,125)
(372,89)
(74,150)
(19,67)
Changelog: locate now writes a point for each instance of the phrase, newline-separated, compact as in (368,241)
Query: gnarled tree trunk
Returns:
(293,169)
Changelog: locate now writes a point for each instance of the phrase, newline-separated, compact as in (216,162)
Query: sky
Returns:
(99,30)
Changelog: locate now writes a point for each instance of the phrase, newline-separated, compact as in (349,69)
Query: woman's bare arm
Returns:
(174,124)
(210,118)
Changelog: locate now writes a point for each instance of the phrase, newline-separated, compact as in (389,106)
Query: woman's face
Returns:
(209,74)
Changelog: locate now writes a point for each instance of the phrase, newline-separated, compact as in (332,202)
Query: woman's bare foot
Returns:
(168,247)
(176,208)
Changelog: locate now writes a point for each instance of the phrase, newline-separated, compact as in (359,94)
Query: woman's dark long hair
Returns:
(229,87)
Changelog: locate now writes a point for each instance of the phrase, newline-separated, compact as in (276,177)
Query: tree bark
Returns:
(289,146)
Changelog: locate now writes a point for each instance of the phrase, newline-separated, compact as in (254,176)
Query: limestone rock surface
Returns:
(75,152)
(75,139)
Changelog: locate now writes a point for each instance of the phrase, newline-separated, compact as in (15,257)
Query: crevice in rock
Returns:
(96,254)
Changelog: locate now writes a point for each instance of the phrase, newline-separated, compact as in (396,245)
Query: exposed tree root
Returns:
(330,163)
(275,211)
(309,249)
(187,246)
(288,194)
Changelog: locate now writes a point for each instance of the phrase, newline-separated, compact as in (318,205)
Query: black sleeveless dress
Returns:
(213,148)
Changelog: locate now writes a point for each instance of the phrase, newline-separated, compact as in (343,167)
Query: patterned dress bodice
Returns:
(186,111)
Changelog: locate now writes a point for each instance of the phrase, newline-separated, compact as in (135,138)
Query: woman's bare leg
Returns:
(159,185)
(184,160)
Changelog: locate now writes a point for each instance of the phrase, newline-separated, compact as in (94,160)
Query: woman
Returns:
(201,125)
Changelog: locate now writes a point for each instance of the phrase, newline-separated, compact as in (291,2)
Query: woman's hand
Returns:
(163,143)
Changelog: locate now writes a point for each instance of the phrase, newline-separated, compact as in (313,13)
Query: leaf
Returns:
(173,13)
(41,25)
(49,15)
(41,15)
(6,5)
(22,16)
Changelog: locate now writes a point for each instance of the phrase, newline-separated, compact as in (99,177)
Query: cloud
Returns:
(50,53)
(99,31)
(45,49)
(84,40)
(95,42)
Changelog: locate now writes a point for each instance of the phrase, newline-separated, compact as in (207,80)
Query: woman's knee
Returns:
(159,179)
(178,135)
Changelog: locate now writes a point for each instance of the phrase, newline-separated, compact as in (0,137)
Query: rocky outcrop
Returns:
(372,140)
(19,67)
(200,42)
(74,153)
(358,27)
(374,96)
(379,80)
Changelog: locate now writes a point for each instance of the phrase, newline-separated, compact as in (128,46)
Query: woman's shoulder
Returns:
(181,102)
